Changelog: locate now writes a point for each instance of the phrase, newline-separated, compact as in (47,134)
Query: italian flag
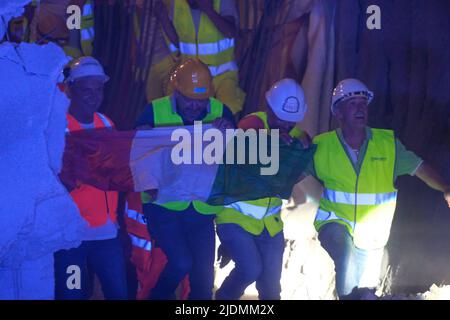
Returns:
(143,160)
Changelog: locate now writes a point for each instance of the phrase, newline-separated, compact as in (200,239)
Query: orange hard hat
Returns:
(51,22)
(193,79)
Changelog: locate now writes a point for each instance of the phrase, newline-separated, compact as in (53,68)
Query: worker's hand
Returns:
(223,256)
(144,127)
(286,138)
(205,5)
(447,197)
(222,124)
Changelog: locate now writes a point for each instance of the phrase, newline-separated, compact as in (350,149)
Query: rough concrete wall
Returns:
(37,214)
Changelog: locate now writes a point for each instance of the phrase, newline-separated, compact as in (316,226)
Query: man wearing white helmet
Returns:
(100,251)
(251,232)
(357,166)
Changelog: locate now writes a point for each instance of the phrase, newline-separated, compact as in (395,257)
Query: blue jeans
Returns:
(104,257)
(188,240)
(257,258)
(350,262)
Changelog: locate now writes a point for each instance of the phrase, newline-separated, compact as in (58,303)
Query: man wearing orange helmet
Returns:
(206,29)
(185,230)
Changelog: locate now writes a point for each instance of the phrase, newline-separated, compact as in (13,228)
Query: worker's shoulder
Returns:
(383,132)
(324,136)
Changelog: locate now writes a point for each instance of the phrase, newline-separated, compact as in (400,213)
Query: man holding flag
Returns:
(185,230)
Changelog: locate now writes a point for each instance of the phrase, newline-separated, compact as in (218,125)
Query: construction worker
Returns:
(252,231)
(358,166)
(207,29)
(100,251)
(185,230)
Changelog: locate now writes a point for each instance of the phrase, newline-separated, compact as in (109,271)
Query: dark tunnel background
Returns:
(406,64)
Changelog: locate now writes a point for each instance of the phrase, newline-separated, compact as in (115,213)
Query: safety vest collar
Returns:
(363,150)
(100,121)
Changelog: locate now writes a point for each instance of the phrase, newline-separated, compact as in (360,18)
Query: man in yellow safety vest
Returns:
(357,166)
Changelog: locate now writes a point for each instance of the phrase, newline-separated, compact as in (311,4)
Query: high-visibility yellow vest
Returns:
(87,32)
(364,202)
(255,215)
(165,116)
(209,45)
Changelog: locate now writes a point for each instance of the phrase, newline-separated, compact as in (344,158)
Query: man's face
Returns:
(86,94)
(190,109)
(353,112)
(276,123)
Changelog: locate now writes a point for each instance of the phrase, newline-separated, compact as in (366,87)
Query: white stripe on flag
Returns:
(152,166)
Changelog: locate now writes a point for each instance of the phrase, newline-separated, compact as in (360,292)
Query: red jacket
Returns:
(149,260)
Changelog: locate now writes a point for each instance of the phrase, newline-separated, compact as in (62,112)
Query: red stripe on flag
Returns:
(100,158)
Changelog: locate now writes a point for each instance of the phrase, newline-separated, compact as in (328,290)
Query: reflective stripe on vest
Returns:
(254,211)
(87,28)
(368,199)
(229,66)
(206,48)
(208,44)
(363,200)
(141,243)
(139,217)
(323,216)
(173,48)
(87,34)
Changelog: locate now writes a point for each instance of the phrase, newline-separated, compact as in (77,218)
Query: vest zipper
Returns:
(356,204)
(357,177)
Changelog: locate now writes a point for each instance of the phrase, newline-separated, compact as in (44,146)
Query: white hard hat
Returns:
(350,88)
(86,67)
(287,100)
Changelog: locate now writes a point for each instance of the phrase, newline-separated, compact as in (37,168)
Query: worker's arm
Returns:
(407,162)
(167,25)
(226,25)
(434,180)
